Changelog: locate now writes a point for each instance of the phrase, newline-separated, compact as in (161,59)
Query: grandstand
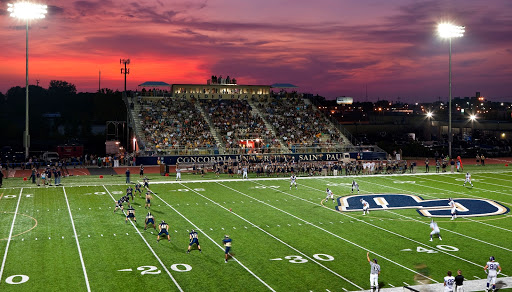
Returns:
(227,118)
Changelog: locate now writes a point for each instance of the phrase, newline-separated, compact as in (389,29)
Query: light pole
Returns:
(472,118)
(26,11)
(449,31)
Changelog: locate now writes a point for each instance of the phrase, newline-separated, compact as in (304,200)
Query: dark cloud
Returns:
(55,10)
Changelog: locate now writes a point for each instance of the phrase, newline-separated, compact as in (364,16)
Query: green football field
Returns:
(69,239)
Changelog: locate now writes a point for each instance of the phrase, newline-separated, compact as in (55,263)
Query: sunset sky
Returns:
(326,47)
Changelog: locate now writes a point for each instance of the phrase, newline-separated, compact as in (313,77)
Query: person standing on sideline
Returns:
(127,175)
(459,280)
(141,172)
(374,272)
(494,269)
(448,282)
(426,165)
(178,173)
(482,160)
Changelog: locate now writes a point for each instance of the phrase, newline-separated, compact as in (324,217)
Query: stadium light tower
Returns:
(449,31)
(26,11)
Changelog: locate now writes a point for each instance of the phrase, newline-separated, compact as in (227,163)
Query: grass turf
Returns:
(282,239)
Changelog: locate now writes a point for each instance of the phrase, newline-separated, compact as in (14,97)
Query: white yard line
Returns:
(318,227)
(276,238)
(10,236)
(150,248)
(378,227)
(460,185)
(202,231)
(77,242)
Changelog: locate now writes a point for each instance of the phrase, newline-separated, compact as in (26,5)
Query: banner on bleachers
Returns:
(208,159)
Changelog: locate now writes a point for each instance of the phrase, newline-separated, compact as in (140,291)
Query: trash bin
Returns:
(163,169)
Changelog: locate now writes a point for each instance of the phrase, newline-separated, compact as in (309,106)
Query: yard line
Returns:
(333,234)
(273,236)
(378,227)
(10,236)
(455,192)
(201,230)
(77,243)
(150,248)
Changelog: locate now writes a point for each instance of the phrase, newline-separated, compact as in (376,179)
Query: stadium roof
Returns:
(283,85)
(155,84)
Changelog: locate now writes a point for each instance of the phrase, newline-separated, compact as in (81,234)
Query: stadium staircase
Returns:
(213,130)
(255,110)
(334,125)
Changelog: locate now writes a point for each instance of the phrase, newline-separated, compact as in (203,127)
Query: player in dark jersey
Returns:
(138,188)
(193,239)
(119,204)
(130,215)
(127,200)
(129,192)
(227,245)
(164,230)
(149,220)
(146,183)
(141,172)
(148,201)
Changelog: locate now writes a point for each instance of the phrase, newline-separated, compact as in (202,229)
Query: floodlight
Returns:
(27,10)
(429,114)
(448,30)
(472,117)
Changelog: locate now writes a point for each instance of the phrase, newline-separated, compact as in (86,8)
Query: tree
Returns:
(59,88)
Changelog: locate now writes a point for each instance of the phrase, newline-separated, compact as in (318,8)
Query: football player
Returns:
(293,181)
(130,215)
(129,192)
(119,204)
(494,269)
(138,188)
(146,183)
(453,208)
(468,179)
(355,186)
(148,201)
(227,247)
(435,230)
(449,280)
(149,220)
(366,207)
(329,195)
(164,230)
(193,239)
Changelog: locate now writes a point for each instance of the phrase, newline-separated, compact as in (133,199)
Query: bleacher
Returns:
(278,125)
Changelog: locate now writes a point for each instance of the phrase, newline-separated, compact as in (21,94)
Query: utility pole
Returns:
(125,70)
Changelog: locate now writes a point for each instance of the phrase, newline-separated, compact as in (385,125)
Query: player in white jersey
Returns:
(435,230)
(374,272)
(468,179)
(494,269)
(453,208)
(244,173)
(178,173)
(366,207)
(293,181)
(449,282)
(355,186)
(329,195)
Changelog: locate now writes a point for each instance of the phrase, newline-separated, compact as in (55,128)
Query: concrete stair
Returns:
(255,110)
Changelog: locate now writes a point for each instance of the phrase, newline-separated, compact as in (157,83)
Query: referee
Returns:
(459,279)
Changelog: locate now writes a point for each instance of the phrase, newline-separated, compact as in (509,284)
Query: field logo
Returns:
(429,208)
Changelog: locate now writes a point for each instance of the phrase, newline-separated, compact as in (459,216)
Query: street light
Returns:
(472,119)
(449,31)
(26,11)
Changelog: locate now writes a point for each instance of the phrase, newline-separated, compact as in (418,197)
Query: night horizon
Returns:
(330,48)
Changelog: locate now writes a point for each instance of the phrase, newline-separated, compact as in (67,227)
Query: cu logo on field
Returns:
(429,208)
